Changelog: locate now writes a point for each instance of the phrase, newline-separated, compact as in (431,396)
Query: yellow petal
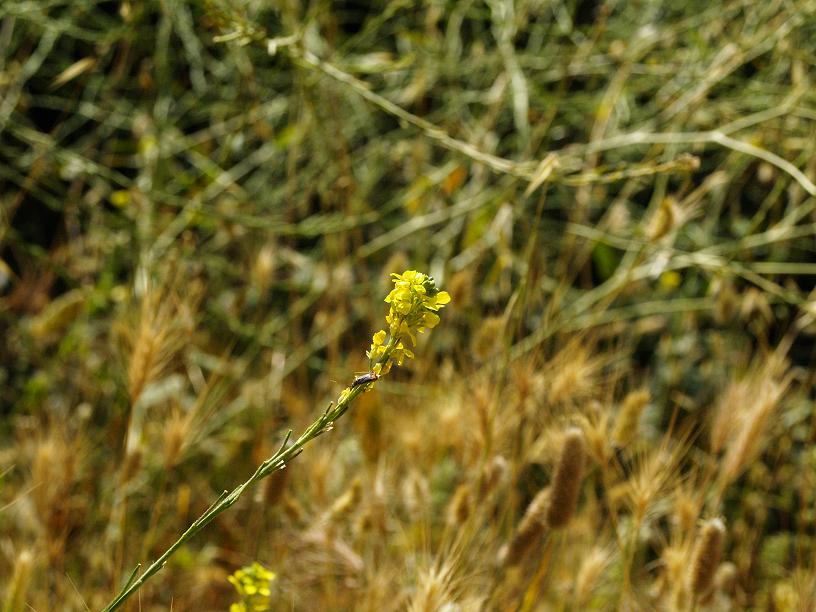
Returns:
(443,297)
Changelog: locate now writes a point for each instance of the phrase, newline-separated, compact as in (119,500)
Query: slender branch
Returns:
(276,462)
(713,136)
(535,172)
(524,170)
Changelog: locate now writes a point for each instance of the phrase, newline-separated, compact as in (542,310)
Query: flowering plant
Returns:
(253,585)
(414,302)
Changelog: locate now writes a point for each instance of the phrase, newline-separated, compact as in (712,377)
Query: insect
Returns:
(364,379)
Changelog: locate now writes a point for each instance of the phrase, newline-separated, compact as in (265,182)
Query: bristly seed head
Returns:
(707,555)
(567,481)
(529,531)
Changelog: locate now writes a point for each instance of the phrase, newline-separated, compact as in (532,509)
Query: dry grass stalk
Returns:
(175,432)
(17,587)
(487,342)
(280,210)
(573,374)
(494,475)
(55,470)
(664,220)
(686,505)
(274,487)
(596,427)
(655,471)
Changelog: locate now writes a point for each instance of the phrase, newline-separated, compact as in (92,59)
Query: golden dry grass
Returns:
(200,204)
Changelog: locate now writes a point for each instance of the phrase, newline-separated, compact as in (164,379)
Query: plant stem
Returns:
(276,462)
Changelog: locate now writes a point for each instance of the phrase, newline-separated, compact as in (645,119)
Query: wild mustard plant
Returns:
(253,584)
(414,303)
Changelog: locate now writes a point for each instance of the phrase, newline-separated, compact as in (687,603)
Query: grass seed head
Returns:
(706,558)
(725,580)
(589,575)
(460,505)
(529,531)
(628,417)
(567,481)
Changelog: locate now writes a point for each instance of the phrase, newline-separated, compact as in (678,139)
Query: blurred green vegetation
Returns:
(196,236)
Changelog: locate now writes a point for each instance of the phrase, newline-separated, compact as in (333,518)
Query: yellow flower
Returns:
(253,585)
(414,302)
(377,349)
(437,301)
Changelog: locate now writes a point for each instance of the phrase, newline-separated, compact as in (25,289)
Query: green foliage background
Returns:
(635,176)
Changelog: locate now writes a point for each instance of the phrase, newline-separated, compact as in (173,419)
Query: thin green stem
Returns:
(276,462)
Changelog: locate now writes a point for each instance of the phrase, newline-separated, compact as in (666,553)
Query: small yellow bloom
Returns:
(414,301)
(438,301)
(377,349)
(429,320)
(253,585)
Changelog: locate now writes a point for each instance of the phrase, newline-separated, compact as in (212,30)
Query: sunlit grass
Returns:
(200,207)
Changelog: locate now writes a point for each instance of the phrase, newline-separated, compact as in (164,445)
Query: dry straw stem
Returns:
(525,170)
(56,467)
(714,137)
(706,557)
(655,471)
(567,481)
(17,588)
(534,172)
(346,502)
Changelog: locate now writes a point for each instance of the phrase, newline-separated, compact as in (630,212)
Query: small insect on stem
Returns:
(364,379)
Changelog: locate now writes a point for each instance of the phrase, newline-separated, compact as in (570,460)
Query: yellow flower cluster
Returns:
(253,585)
(414,301)
(378,349)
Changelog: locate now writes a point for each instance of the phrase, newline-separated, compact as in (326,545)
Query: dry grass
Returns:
(616,411)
